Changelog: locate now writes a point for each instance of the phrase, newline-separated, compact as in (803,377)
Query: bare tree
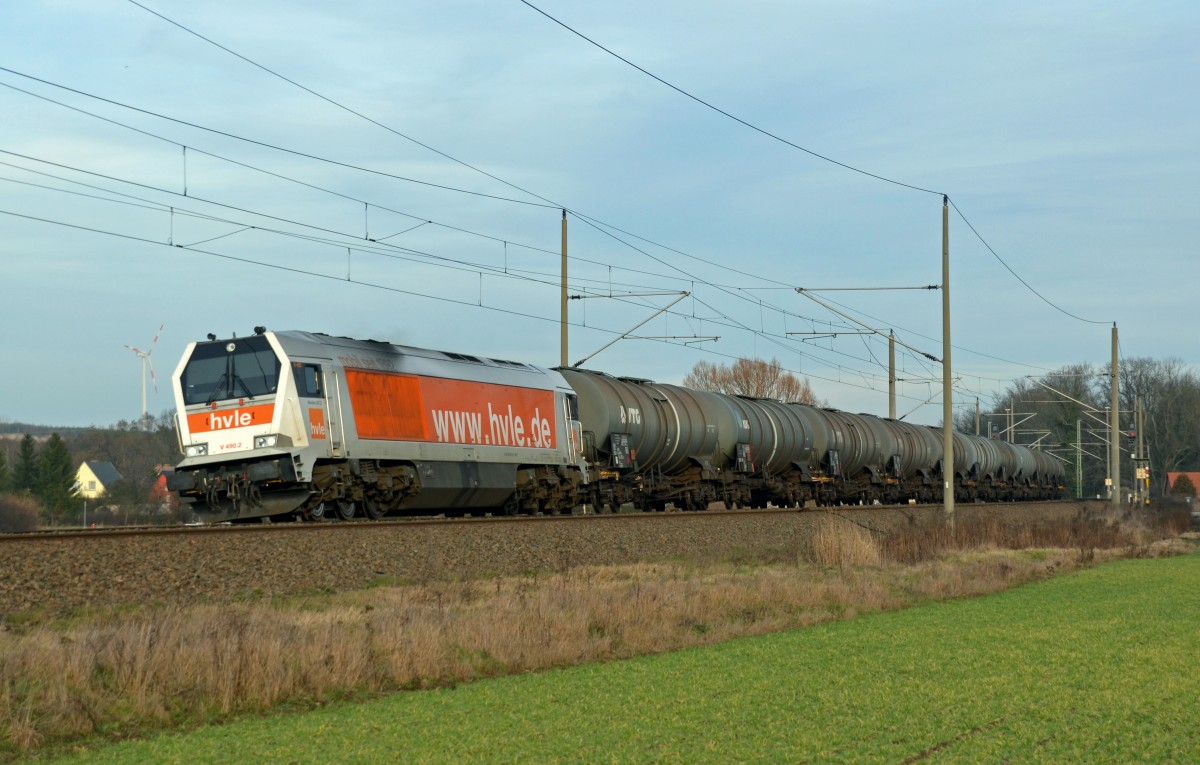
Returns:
(1170,395)
(752,377)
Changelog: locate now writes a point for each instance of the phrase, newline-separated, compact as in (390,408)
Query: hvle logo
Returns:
(218,421)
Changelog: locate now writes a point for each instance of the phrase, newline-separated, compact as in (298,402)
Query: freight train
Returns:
(299,425)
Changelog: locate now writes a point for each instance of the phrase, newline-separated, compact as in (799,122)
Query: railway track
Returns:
(53,574)
(409,521)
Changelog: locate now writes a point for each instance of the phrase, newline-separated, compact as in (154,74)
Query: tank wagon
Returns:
(298,424)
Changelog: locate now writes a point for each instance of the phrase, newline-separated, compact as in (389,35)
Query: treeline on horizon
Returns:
(38,472)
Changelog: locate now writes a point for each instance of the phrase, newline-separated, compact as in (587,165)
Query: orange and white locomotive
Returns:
(278,423)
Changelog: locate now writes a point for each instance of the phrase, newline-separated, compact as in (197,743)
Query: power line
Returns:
(350,241)
(306,184)
(388,128)
(440,153)
(289,269)
(317,274)
(353,243)
(343,107)
(1028,286)
(264,144)
(739,120)
(810,152)
(598,225)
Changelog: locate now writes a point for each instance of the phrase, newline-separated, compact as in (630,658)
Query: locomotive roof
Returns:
(295,340)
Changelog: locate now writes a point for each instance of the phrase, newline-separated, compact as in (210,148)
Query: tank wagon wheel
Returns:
(345,509)
(372,508)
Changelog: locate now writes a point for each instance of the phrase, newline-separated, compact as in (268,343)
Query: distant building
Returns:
(95,478)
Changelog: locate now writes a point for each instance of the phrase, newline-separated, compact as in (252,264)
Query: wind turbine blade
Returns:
(153,379)
(156,336)
(138,351)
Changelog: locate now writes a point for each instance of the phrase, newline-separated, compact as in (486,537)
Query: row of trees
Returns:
(45,475)
(1170,397)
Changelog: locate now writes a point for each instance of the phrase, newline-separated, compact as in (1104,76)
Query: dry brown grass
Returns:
(120,674)
(844,544)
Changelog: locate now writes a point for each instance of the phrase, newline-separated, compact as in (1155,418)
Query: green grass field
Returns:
(1096,666)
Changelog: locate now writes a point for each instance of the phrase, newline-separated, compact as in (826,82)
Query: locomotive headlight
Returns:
(265,442)
(196,450)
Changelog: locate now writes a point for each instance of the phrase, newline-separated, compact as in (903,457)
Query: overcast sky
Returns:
(1066,133)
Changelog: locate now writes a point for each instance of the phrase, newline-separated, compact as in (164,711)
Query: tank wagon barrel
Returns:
(298,424)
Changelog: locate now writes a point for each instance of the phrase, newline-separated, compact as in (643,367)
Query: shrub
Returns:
(18,512)
(1183,486)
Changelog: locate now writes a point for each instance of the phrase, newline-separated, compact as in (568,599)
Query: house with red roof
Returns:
(1194,477)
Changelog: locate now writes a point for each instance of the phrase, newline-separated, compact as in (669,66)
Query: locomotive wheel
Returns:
(315,513)
(373,509)
(345,509)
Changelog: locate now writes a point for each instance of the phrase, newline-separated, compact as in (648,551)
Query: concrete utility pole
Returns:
(1078,458)
(562,356)
(977,415)
(947,390)
(1115,446)
(891,375)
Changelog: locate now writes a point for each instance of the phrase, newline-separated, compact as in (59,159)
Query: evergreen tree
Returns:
(1183,486)
(25,476)
(56,476)
(3,473)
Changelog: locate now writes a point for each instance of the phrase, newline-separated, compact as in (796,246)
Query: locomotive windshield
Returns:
(240,368)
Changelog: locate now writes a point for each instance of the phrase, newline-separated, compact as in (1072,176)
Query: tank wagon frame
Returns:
(298,424)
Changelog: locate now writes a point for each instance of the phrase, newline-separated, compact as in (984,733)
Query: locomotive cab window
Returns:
(309,382)
(243,368)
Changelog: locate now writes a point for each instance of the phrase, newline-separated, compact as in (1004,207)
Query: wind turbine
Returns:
(147,362)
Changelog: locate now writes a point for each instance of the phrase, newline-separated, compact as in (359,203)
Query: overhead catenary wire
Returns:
(735,118)
(472,167)
(595,223)
(263,144)
(388,128)
(331,277)
(1017,276)
(385,249)
(342,106)
(810,152)
(600,225)
(355,245)
(358,246)
(475,268)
